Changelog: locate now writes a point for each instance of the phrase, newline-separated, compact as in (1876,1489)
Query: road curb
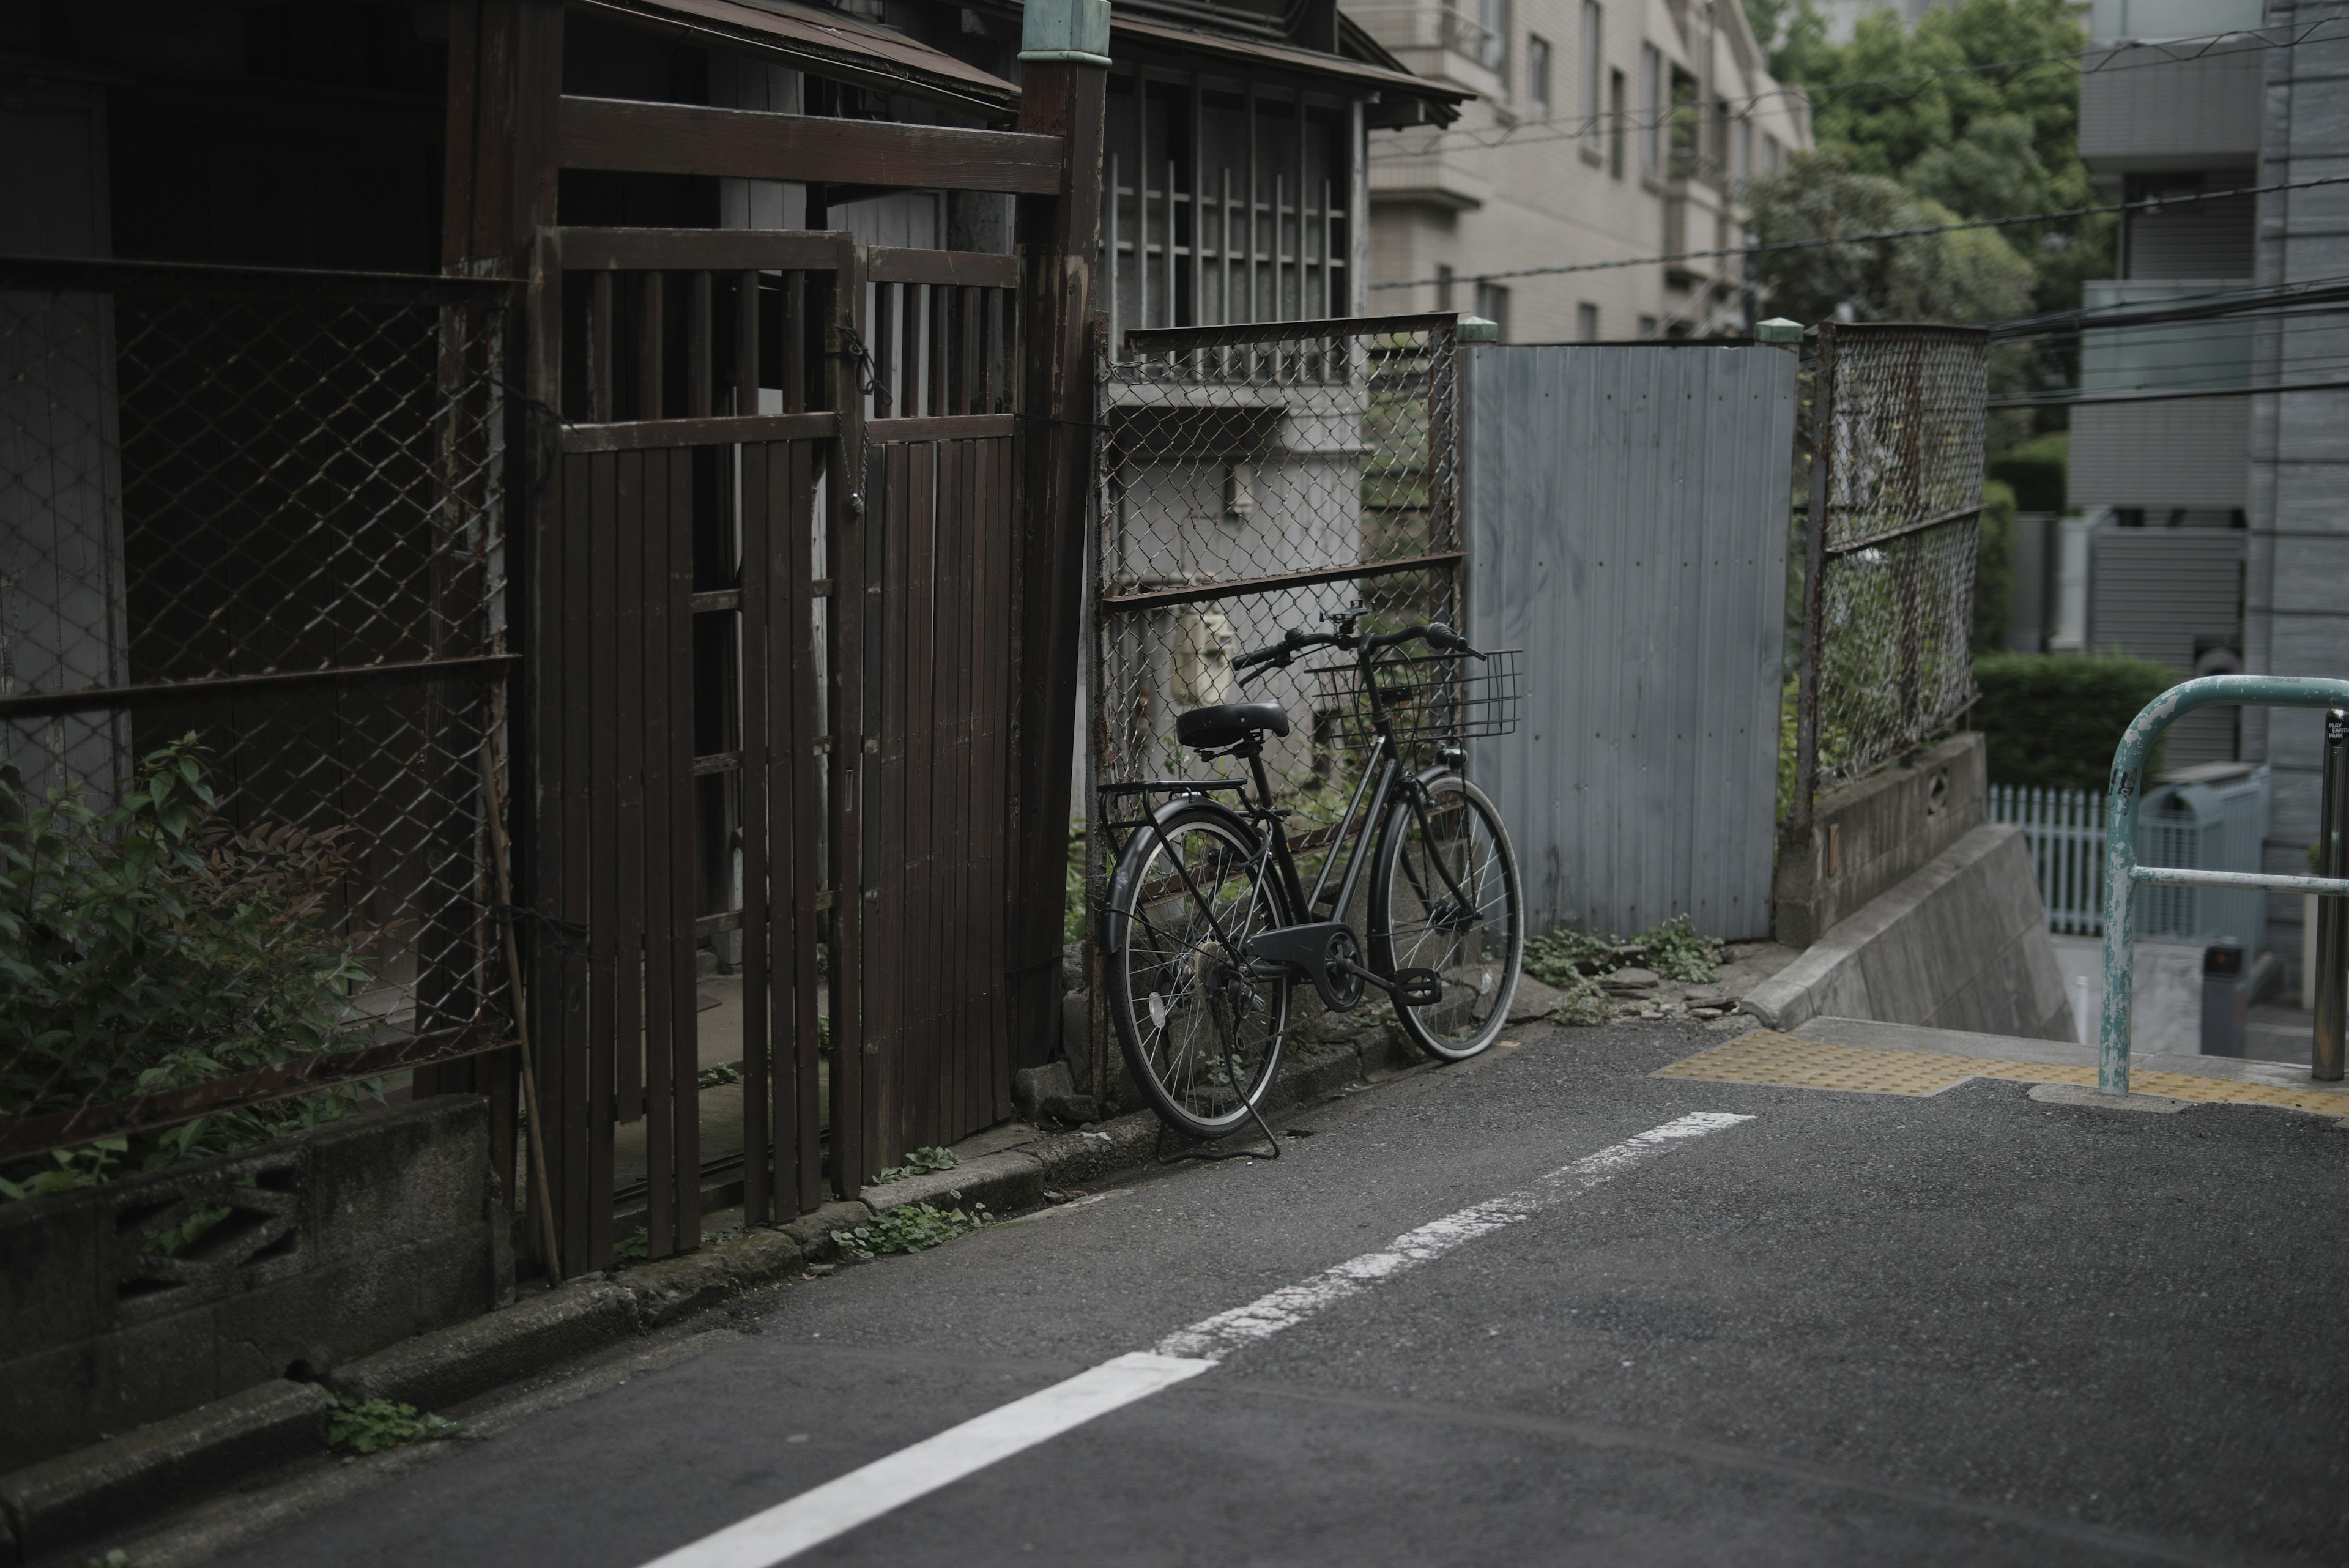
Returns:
(109,1486)
(61,1503)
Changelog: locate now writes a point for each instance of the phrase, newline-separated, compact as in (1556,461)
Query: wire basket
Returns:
(1428,696)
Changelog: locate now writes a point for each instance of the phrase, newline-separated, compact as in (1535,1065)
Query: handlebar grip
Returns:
(1261,656)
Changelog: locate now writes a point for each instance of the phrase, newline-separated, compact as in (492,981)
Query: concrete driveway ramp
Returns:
(1962,943)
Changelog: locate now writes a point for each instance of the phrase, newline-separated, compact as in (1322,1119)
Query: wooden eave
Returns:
(1351,78)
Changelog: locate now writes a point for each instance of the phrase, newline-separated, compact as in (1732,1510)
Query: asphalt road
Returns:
(1969,1329)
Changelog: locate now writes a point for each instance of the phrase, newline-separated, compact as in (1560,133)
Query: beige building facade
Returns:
(1603,131)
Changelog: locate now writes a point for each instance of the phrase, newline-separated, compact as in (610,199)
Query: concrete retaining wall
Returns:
(1866,838)
(339,1240)
(1962,943)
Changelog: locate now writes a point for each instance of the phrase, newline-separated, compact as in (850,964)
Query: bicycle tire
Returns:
(1479,983)
(1170,977)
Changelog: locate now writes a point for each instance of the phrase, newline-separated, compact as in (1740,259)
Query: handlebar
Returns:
(1297,640)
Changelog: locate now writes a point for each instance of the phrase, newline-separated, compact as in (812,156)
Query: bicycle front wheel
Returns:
(1199,1023)
(1445,896)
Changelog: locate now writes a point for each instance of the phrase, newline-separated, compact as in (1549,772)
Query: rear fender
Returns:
(1128,865)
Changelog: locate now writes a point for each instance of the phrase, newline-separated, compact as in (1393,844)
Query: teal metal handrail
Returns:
(2122,873)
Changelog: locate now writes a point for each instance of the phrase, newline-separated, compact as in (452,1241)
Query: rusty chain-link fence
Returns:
(1253,479)
(1896,424)
(253,655)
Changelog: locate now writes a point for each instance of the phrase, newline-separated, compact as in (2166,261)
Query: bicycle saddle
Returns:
(1228,723)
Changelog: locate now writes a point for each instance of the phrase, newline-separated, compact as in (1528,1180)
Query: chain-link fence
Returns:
(253,655)
(1897,415)
(1254,479)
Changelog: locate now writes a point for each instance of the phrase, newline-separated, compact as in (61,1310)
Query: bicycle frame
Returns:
(1384,763)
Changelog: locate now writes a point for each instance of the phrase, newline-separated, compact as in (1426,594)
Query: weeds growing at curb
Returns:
(118,1558)
(370,1426)
(1570,960)
(921,1162)
(914,1228)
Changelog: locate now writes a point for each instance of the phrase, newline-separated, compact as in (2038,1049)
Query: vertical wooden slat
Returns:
(970,1076)
(1254,202)
(991,642)
(648,346)
(662,792)
(779,880)
(795,325)
(685,1067)
(599,348)
(844,552)
(579,1136)
(885,341)
(618,477)
(699,360)
(806,819)
(746,343)
(921,978)
(934,376)
(758,1142)
(1168,290)
(896,904)
(1303,183)
(949,593)
(627,744)
(973,363)
(1198,198)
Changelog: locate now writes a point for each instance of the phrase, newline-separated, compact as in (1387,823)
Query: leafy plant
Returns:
(370,1426)
(1569,962)
(921,1162)
(636,1243)
(117,1558)
(913,1228)
(723,1073)
(152,946)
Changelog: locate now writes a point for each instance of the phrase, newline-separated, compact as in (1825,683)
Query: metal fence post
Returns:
(1807,690)
(2332,915)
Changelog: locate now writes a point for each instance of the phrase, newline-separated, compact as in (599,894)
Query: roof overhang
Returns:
(823,42)
(1441,99)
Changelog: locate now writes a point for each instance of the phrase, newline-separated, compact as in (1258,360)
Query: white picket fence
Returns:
(2066,831)
(2216,828)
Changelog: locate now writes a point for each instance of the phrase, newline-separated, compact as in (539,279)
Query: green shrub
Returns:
(371,1426)
(2037,471)
(1993,569)
(2052,720)
(151,947)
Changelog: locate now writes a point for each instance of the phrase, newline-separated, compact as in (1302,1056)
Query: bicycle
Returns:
(1208,924)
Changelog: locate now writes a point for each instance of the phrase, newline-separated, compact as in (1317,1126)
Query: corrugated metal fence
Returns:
(1627,515)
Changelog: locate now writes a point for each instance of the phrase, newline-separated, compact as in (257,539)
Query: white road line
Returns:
(841,1505)
(1214,1338)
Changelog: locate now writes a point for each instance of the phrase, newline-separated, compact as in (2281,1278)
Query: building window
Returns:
(1686,128)
(1616,109)
(1647,328)
(1586,323)
(1591,66)
(1537,74)
(1443,288)
(1493,49)
(1493,304)
(1652,109)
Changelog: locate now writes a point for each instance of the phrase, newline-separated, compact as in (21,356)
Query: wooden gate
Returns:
(699,563)
(679,592)
(943,331)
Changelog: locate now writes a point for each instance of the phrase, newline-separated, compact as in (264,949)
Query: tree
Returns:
(1969,275)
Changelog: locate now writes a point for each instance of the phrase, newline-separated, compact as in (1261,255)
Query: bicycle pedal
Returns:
(1418,987)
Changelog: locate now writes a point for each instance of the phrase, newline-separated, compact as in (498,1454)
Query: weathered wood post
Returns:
(1063,80)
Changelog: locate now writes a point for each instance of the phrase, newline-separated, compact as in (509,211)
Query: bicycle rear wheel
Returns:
(1199,1026)
(1445,896)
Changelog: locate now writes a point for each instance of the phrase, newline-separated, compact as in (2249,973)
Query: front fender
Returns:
(1130,864)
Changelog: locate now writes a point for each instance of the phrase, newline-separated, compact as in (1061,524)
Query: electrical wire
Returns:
(2079,401)
(2154,203)
(1533,132)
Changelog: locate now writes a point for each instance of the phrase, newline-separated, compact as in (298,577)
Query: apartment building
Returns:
(2208,530)
(1603,131)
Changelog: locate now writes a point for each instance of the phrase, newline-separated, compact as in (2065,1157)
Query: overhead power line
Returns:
(1917,233)
(1890,90)
(2088,400)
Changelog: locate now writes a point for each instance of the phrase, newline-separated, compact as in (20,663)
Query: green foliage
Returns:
(1993,567)
(2053,721)
(921,1162)
(1072,897)
(1572,961)
(152,946)
(913,1228)
(117,1558)
(2038,471)
(636,1243)
(370,1426)
(1821,195)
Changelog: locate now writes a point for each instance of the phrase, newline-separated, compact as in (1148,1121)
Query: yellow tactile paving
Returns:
(1767,1056)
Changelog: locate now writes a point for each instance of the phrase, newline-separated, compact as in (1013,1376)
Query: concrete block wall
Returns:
(1870,836)
(339,1240)
(1962,943)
